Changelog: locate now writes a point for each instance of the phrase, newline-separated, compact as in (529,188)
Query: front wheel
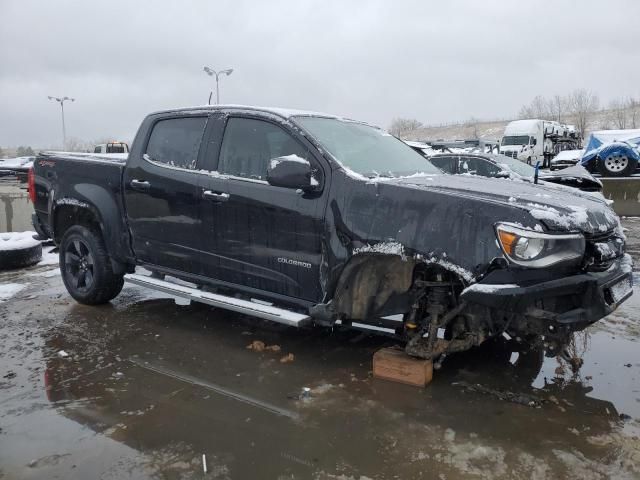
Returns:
(617,165)
(86,267)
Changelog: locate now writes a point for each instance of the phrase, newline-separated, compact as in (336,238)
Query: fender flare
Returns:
(100,203)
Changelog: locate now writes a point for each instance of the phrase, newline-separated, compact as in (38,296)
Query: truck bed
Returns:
(66,179)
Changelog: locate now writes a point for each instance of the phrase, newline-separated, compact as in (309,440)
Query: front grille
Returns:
(602,249)
(512,154)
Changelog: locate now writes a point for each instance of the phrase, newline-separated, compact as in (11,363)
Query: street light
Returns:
(61,102)
(211,73)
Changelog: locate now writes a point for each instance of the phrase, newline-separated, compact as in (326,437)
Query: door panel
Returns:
(263,237)
(162,195)
(270,239)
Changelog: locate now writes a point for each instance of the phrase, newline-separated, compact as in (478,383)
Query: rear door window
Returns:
(478,166)
(445,163)
(176,141)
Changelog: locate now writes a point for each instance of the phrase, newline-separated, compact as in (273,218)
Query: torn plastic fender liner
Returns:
(377,280)
(373,285)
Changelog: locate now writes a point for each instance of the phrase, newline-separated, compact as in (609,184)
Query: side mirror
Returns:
(503,174)
(291,171)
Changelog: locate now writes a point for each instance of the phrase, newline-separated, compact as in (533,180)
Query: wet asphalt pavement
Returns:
(148,386)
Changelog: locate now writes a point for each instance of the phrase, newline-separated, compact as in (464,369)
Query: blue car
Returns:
(613,153)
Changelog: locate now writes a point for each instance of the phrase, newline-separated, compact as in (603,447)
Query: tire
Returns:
(86,267)
(13,258)
(617,165)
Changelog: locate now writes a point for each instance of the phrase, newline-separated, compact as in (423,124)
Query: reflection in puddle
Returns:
(153,386)
(193,382)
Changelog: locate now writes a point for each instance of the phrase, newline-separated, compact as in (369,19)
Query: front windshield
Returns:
(364,149)
(516,140)
(515,165)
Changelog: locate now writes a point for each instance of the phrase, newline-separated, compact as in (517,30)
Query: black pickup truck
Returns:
(305,218)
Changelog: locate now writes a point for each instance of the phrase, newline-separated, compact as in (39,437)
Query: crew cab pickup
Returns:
(306,218)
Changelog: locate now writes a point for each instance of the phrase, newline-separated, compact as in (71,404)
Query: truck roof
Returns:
(281,112)
(523,127)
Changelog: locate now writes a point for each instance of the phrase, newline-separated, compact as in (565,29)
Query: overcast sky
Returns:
(370,60)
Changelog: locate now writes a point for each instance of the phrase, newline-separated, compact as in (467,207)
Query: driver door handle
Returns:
(140,185)
(215,196)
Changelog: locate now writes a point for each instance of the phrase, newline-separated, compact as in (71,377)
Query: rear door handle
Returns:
(215,196)
(140,185)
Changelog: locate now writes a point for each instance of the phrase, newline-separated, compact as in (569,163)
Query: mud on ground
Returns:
(144,387)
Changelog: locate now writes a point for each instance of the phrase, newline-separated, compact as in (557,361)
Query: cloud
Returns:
(371,60)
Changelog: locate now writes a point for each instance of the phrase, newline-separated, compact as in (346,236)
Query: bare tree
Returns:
(540,107)
(78,145)
(24,152)
(472,123)
(558,106)
(582,104)
(633,105)
(402,126)
(618,109)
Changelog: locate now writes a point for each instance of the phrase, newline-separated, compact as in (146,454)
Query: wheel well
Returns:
(66,216)
(374,285)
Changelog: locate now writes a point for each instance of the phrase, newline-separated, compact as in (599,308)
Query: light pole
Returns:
(211,73)
(61,102)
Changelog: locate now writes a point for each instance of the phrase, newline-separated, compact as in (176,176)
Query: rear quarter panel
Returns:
(84,182)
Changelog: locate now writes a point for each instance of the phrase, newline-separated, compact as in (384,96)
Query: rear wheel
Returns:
(617,165)
(86,267)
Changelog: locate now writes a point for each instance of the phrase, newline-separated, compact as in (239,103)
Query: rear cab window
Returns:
(176,141)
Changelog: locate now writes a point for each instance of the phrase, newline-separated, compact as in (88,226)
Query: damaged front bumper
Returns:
(574,301)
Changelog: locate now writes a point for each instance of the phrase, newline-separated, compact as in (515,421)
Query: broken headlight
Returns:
(535,249)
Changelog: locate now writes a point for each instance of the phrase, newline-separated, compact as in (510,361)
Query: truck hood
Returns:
(554,207)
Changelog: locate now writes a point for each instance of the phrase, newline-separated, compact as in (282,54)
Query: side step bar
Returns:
(247,307)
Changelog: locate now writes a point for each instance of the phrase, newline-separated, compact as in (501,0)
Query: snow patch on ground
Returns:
(17,240)
(47,273)
(48,257)
(8,290)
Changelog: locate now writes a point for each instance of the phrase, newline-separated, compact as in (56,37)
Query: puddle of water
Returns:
(153,386)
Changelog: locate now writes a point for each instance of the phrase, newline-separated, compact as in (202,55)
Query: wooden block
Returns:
(395,365)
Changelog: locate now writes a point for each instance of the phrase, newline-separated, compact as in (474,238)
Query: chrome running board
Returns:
(247,307)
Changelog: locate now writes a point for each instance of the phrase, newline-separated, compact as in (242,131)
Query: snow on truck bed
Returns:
(118,158)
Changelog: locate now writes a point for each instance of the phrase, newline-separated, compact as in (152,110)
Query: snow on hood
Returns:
(568,155)
(557,208)
(577,171)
